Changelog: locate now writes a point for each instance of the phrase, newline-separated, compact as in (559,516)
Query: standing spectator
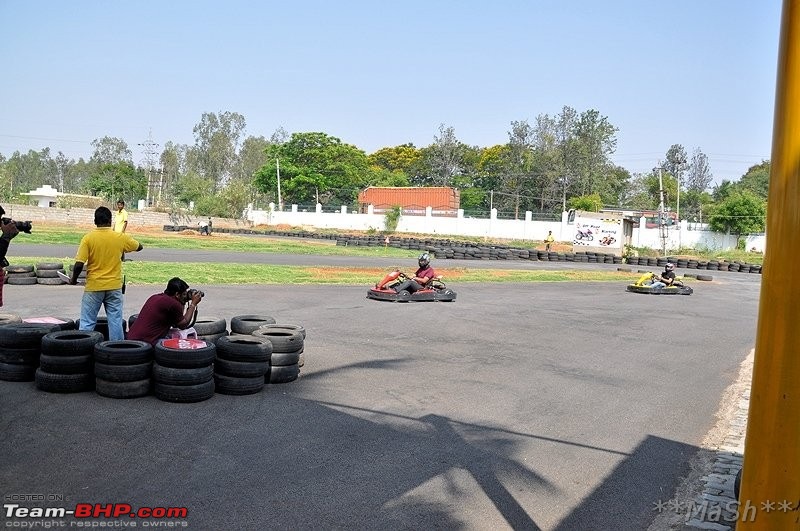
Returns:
(549,241)
(100,251)
(121,220)
(202,225)
(9,231)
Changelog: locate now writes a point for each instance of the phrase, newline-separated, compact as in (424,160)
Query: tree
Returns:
(742,212)
(398,158)
(443,159)
(217,139)
(675,161)
(596,140)
(756,180)
(699,176)
(115,181)
(110,150)
(589,203)
(723,190)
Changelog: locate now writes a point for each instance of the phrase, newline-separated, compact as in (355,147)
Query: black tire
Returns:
(124,352)
(298,328)
(20,356)
(123,373)
(246,348)
(24,335)
(184,393)
(246,324)
(282,340)
(49,273)
(13,372)
(241,369)
(49,281)
(14,280)
(185,358)
(213,338)
(66,364)
(282,359)
(70,342)
(111,389)
(209,326)
(230,385)
(288,373)
(17,269)
(705,277)
(174,376)
(52,266)
(63,383)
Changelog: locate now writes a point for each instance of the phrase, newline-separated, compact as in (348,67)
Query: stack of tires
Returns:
(20,275)
(287,348)
(67,361)
(20,348)
(247,324)
(122,369)
(210,329)
(183,374)
(241,365)
(47,273)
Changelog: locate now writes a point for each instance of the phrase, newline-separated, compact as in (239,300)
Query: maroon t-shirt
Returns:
(426,271)
(159,313)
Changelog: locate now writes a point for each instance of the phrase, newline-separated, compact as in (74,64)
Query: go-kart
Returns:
(642,286)
(435,291)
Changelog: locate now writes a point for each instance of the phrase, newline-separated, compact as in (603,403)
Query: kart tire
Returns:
(298,328)
(50,266)
(246,324)
(285,374)
(241,369)
(184,393)
(282,339)
(112,389)
(49,273)
(49,281)
(24,335)
(282,359)
(180,377)
(70,343)
(123,373)
(209,326)
(14,280)
(185,358)
(247,348)
(63,383)
(705,277)
(82,364)
(14,372)
(403,296)
(20,356)
(16,269)
(231,385)
(123,352)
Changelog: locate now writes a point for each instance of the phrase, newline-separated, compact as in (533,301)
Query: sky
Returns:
(700,73)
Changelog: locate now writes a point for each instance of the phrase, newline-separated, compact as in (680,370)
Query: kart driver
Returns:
(667,278)
(421,277)
(165,310)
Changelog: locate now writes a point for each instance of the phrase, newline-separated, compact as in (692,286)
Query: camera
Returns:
(191,293)
(22,226)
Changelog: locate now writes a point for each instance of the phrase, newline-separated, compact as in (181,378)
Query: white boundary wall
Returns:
(523,229)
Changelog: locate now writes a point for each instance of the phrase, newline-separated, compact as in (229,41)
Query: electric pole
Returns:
(149,150)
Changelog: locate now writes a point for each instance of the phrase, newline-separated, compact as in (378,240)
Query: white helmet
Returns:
(670,266)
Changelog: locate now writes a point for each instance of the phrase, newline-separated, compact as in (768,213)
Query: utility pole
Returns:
(679,171)
(662,221)
(278,169)
(149,150)
(491,200)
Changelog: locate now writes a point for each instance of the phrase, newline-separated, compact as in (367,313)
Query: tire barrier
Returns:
(246,324)
(288,344)
(21,348)
(242,361)
(183,375)
(67,361)
(45,273)
(123,369)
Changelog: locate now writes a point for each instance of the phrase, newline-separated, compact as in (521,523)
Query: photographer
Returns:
(163,311)
(9,228)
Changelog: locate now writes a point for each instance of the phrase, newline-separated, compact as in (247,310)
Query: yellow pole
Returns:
(770,489)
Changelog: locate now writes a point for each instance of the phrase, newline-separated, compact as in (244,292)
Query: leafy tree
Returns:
(110,150)
(742,212)
(217,139)
(191,187)
(399,158)
(29,171)
(596,140)
(675,162)
(588,203)
(756,180)
(723,190)
(115,181)
(442,160)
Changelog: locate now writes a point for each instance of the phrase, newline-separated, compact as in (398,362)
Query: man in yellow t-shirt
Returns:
(101,251)
(548,241)
(121,220)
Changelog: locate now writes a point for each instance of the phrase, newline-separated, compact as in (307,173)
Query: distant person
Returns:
(9,230)
(667,278)
(202,225)
(165,310)
(421,277)
(121,220)
(549,241)
(100,252)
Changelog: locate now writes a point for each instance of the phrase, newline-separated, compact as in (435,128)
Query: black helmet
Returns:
(424,260)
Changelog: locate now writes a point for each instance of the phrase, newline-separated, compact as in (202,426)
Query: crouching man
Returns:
(166,310)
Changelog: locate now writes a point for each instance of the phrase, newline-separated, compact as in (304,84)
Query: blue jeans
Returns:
(658,284)
(90,307)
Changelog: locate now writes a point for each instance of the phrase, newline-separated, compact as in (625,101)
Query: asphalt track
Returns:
(526,406)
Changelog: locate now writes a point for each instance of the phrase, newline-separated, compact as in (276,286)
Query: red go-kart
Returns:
(435,291)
